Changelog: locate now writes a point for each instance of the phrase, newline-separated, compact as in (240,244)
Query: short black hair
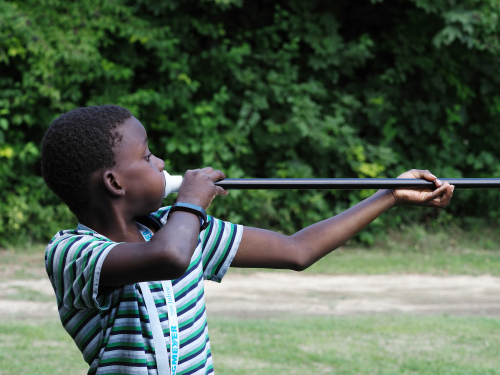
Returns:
(77,144)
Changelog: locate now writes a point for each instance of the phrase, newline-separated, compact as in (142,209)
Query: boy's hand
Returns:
(198,187)
(439,198)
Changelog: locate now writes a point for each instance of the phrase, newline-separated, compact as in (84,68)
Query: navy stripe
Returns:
(73,266)
(207,235)
(201,333)
(196,369)
(93,274)
(65,255)
(160,304)
(221,234)
(71,316)
(84,323)
(124,347)
(193,303)
(203,348)
(120,363)
(164,213)
(179,297)
(92,337)
(188,272)
(228,251)
(195,319)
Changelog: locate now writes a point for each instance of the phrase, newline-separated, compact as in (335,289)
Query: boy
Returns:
(106,273)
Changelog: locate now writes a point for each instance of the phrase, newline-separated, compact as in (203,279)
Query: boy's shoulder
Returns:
(75,234)
(84,233)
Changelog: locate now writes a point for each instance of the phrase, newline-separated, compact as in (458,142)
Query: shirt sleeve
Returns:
(73,262)
(219,243)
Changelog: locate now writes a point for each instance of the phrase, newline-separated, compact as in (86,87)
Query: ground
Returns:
(400,313)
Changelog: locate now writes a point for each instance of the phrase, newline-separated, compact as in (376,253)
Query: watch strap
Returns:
(193,209)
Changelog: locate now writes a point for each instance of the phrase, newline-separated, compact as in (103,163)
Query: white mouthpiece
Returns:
(172,183)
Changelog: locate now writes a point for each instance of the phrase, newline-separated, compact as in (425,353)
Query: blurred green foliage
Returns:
(260,89)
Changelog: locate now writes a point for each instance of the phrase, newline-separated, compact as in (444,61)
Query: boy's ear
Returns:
(112,184)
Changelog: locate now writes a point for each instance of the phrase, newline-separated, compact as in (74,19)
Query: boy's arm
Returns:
(167,255)
(266,249)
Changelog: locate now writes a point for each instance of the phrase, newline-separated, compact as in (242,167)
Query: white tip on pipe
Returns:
(172,183)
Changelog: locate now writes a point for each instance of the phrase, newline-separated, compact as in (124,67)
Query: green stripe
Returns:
(197,313)
(190,303)
(194,281)
(204,343)
(213,246)
(52,253)
(209,367)
(91,332)
(224,252)
(197,332)
(92,268)
(81,319)
(126,343)
(65,249)
(206,231)
(203,323)
(71,275)
(192,367)
(125,328)
(194,261)
(123,359)
(122,312)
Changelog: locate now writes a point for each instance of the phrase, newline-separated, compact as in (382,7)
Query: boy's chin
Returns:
(149,208)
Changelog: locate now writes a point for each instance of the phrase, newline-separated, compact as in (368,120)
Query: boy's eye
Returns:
(148,157)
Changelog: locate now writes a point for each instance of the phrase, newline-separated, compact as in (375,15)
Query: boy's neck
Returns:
(114,226)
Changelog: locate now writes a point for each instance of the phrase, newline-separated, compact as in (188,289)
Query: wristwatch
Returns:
(191,208)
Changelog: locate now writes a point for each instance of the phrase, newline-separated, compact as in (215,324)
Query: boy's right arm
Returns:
(167,255)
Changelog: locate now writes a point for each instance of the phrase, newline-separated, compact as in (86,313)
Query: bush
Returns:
(260,89)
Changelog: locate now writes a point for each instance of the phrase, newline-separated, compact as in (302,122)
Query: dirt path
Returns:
(277,294)
(262,295)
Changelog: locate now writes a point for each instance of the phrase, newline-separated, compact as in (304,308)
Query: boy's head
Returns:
(76,145)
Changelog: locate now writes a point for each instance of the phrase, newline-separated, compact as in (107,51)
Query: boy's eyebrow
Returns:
(145,140)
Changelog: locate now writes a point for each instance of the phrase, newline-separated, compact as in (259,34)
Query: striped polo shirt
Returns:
(112,329)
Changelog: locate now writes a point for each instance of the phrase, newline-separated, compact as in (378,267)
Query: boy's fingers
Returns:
(207,170)
(441,197)
(439,191)
(221,191)
(217,175)
(426,175)
(447,196)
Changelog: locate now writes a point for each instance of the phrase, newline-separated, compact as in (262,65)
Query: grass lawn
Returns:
(373,344)
(376,344)
(359,344)
(39,347)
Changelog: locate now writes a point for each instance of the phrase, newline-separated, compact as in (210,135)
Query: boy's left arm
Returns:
(261,248)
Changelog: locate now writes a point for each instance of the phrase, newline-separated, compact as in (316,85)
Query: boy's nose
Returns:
(160,164)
